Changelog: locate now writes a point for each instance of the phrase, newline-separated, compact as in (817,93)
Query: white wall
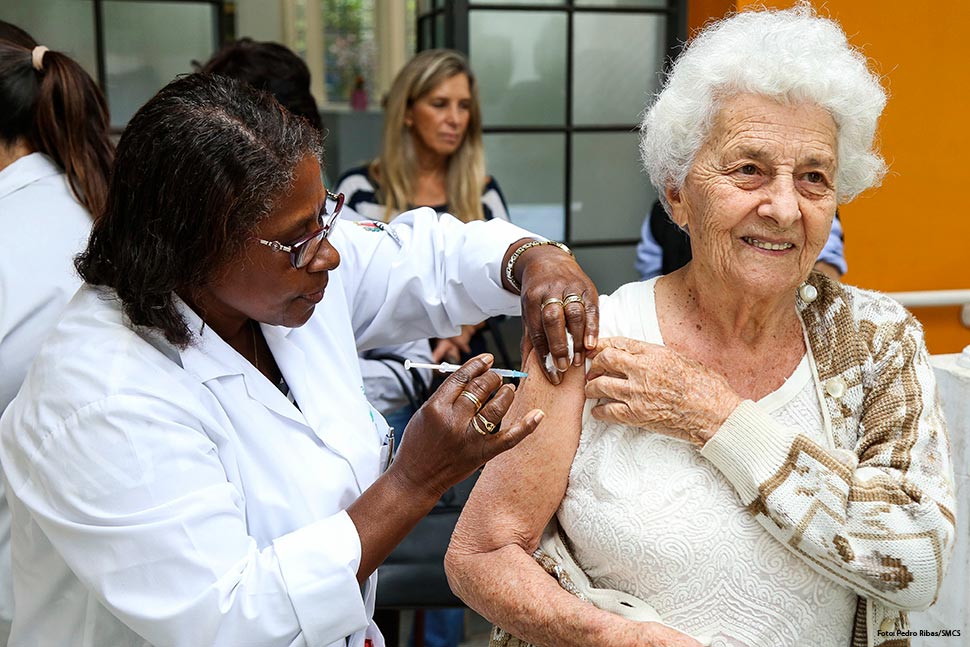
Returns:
(260,19)
(952,609)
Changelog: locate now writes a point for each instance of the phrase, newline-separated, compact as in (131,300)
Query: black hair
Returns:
(270,67)
(57,110)
(197,168)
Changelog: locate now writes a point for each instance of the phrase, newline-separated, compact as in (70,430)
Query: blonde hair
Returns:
(465,175)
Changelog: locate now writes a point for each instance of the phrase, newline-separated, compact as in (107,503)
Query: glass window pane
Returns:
(439,30)
(613,77)
(651,4)
(608,267)
(62,25)
(350,47)
(611,195)
(523,2)
(530,169)
(424,30)
(147,44)
(519,58)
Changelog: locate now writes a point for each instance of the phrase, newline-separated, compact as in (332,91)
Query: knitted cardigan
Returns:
(876,513)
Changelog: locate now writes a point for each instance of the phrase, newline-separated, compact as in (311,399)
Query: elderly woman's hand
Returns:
(557,298)
(456,431)
(647,385)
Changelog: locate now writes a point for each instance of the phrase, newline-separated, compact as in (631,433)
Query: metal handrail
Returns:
(936,298)
(926,298)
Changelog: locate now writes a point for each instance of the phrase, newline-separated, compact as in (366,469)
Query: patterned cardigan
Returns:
(876,513)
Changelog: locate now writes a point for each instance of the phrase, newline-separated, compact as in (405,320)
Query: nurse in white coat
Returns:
(54,160)
(191,459)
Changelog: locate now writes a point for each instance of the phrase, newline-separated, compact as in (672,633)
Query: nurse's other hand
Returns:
(651,386)
(450,436)
(557,297)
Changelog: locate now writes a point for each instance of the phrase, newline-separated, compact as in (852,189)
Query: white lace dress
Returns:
(647,514)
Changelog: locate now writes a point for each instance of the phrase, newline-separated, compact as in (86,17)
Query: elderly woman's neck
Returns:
(734,315)
(10,152)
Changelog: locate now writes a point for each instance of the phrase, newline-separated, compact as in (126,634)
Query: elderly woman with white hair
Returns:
(755,451)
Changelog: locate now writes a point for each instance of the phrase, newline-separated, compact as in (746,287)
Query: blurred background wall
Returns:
(563,83)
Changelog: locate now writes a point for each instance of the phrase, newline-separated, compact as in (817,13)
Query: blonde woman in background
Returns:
(431,155)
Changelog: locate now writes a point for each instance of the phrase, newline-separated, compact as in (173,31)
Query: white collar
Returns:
(26,170)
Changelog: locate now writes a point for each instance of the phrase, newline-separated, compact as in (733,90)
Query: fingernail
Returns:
(578,359)
(554,377)
(563,364)
(538,416)
(488,358)
(590,342)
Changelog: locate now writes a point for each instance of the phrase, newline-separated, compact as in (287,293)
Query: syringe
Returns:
(444,367)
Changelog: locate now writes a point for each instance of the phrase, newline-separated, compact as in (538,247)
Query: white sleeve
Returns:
(148,521)
(425,278)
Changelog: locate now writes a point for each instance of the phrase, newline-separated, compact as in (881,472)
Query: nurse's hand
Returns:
(557,297)
(457,430)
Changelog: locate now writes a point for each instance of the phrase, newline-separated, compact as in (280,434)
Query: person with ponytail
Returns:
(55,157)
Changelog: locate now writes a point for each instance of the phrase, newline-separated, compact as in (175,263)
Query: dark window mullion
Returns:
(99,47)
(568,183)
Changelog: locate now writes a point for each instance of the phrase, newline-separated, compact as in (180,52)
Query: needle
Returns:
(451,368)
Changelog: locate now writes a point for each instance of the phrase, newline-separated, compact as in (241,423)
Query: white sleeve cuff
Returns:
(319,565)
(749,448)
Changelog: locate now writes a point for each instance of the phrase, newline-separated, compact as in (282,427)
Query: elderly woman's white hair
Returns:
(791,55)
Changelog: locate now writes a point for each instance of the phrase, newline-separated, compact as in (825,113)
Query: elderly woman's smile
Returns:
(760,197)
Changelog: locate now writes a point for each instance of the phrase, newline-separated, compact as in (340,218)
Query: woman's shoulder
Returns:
(360,193)
(877,321)
(355,179)
(864,304)
(629,311)
(494,204)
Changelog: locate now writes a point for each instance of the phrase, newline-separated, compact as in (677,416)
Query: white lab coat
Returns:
(175,497)
(42,227)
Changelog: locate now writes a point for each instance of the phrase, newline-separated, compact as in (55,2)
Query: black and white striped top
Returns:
(360,190)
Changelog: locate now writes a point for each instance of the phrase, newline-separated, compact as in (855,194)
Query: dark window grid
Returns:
(225,30)
(456,24)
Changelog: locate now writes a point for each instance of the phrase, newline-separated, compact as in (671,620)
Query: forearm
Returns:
(864,524)
(385,513)
(509,588)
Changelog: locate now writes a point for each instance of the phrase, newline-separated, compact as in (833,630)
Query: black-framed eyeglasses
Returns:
(306,248)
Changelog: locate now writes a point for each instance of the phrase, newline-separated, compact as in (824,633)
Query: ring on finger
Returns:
(488,424)
(475,425)
(572,298)
(474,399)
(549,302)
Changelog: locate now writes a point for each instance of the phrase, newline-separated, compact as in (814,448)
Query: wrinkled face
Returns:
(262,284)
(760,197)
(439,119)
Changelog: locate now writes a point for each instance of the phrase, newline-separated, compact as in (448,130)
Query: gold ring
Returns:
(489,426)
(471,396)
(550,302)
(572,298)
(475,425)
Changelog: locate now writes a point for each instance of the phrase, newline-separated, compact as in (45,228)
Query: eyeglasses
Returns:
(306,248)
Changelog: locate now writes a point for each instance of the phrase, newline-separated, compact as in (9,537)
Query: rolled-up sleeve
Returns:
(425,278)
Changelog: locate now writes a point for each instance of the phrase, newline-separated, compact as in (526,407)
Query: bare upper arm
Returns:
(519,490)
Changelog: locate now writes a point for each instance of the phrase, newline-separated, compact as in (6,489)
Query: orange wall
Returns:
(913,232)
